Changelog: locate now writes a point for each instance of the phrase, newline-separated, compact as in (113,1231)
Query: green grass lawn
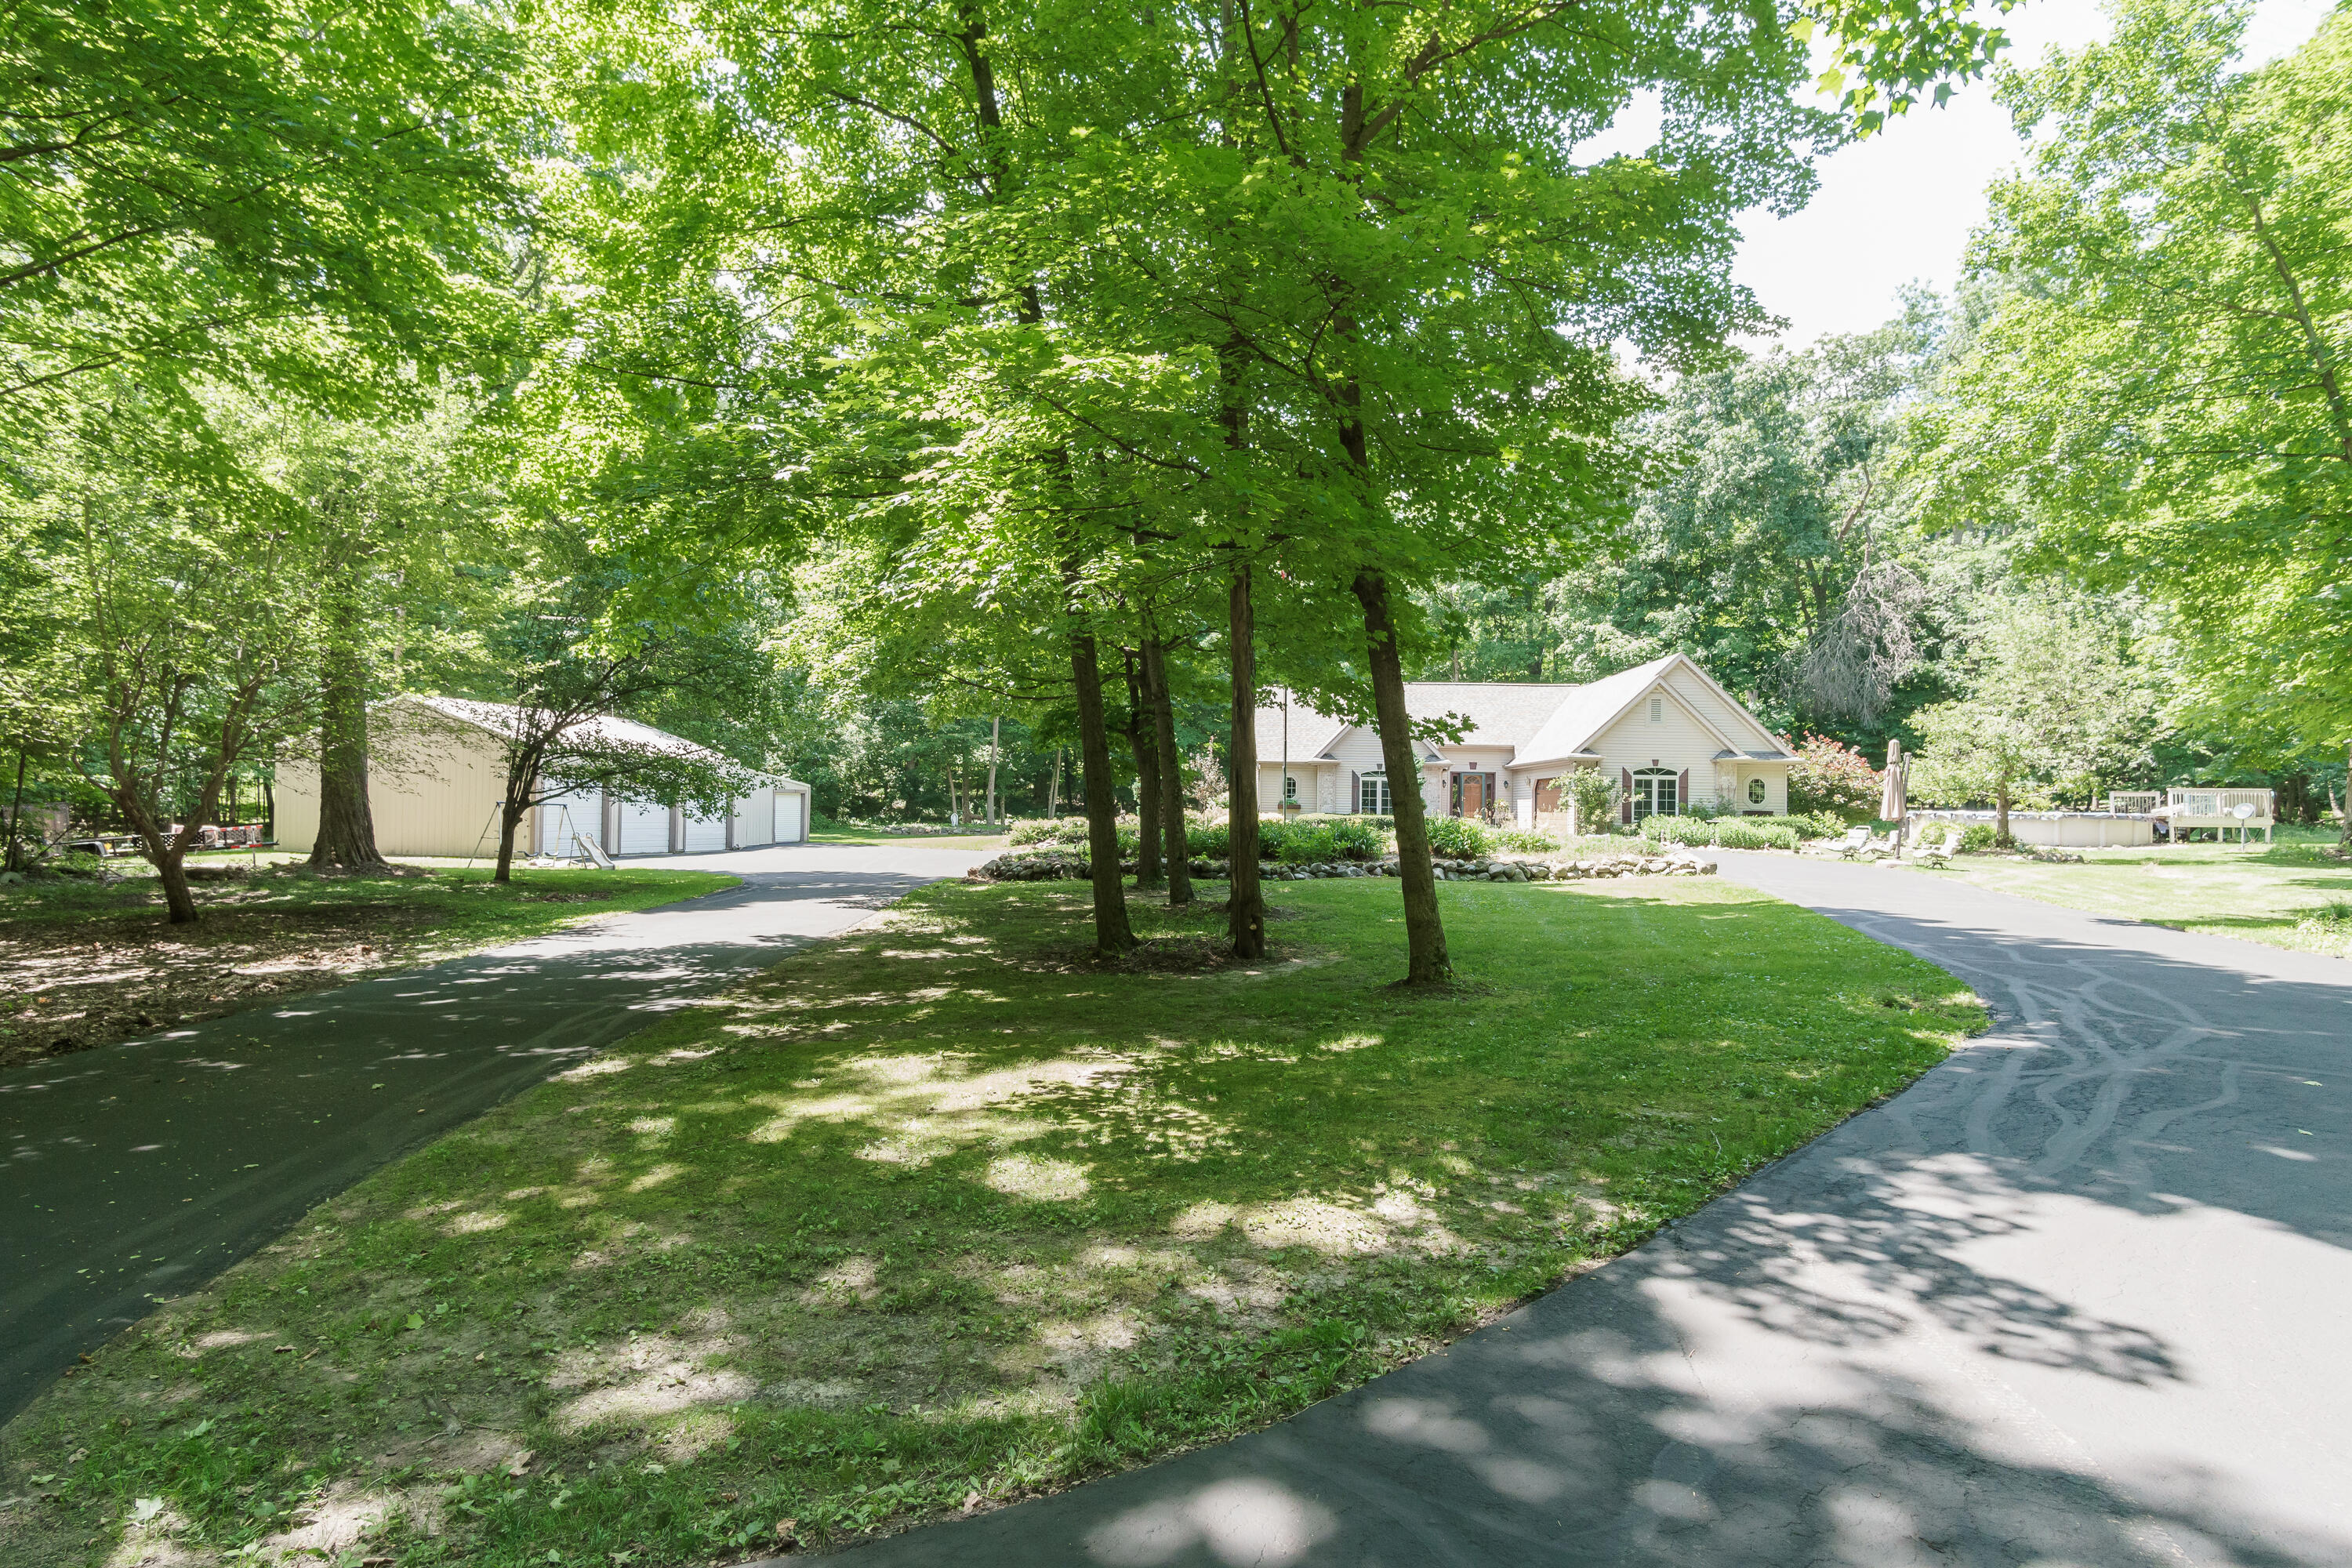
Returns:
(939,1214)
(2295,893)
(84,964)
(836,833)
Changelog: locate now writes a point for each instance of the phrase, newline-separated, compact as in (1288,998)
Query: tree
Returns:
(2162,393)
(177,178)
(1772,542)
(1312,301)
(583,640)
(2052,701)
(189,635)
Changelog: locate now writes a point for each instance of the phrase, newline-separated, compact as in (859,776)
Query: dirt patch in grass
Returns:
(922,1222)
(85,964)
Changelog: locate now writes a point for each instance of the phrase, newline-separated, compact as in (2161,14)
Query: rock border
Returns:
(1054,866)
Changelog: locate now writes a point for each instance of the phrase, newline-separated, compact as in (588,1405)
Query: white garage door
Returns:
(788,816)
(645,829)
(755,818)
(702,833)
(567,815)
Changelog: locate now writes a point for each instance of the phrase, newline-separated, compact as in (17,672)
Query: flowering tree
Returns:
(1831,776)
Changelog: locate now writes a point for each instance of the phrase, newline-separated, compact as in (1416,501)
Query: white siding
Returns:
(755,818)
(1677,740)
(1745,734)
(1358,753)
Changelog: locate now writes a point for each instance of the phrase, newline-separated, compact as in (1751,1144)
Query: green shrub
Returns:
(1459,839)
(1310,840)
(1976,837)
(1596,795)
(1685,830)
(1209,838)
(1738,835)
(1300,841)
(1526,841)
(1804,825)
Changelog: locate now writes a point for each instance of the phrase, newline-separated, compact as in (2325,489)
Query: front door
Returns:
(1474,795)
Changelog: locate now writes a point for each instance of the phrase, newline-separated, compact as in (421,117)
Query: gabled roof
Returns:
(1311,733)
(1541,721)
(500,719)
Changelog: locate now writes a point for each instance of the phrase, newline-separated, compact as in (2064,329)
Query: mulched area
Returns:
(106,980)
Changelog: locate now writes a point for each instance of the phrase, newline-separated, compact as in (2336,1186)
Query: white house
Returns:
(1666,731)
(438,773)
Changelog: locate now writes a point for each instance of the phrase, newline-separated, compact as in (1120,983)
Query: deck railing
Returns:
(2197,801)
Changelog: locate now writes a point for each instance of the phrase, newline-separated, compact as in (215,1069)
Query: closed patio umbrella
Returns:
(1891,802)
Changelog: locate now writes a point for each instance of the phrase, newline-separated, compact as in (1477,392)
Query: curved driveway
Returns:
(2080,1298)
(144,1169)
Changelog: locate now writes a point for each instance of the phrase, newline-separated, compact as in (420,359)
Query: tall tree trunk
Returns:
(522,783)
(17,814)
(510,818)
(2344,812)
(171,870)
(1425,928)
(346,838)
(2000,813)
(1245,900)
(1053,788)
(1139,739)
(995,737)
(1171,773)
(1113,935)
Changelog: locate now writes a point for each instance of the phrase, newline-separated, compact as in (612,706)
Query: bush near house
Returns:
(1300,840)
(1721,833)
(1831,776)
(1459,839)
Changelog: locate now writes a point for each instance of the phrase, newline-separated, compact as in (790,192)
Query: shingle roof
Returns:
(499,719)
(1574,724)
(1311,733)
(1540,721)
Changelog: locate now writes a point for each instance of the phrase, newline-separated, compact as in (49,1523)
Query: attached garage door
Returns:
(702,833)
(788,817)
(755,818)
(567,815)
(645,829)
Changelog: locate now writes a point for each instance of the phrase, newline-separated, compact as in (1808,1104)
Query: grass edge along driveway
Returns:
(2294,894)
(937,1214)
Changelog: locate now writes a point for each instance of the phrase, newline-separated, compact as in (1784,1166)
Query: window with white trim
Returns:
(1657,709)
(1756,792)
(1656,793)
(1290,786)
(1372,795)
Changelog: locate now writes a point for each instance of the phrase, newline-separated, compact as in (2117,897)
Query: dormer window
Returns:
(1657,709)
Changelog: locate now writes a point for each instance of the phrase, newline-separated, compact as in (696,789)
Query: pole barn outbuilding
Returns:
(437,772)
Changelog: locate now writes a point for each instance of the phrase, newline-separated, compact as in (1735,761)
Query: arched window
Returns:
(1290,786)
(1655,793)
(1756,792)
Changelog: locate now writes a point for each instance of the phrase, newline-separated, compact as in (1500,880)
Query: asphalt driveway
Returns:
(2081,1296)
(140,1170)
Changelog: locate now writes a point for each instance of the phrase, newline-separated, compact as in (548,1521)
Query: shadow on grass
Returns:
(919,1218)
